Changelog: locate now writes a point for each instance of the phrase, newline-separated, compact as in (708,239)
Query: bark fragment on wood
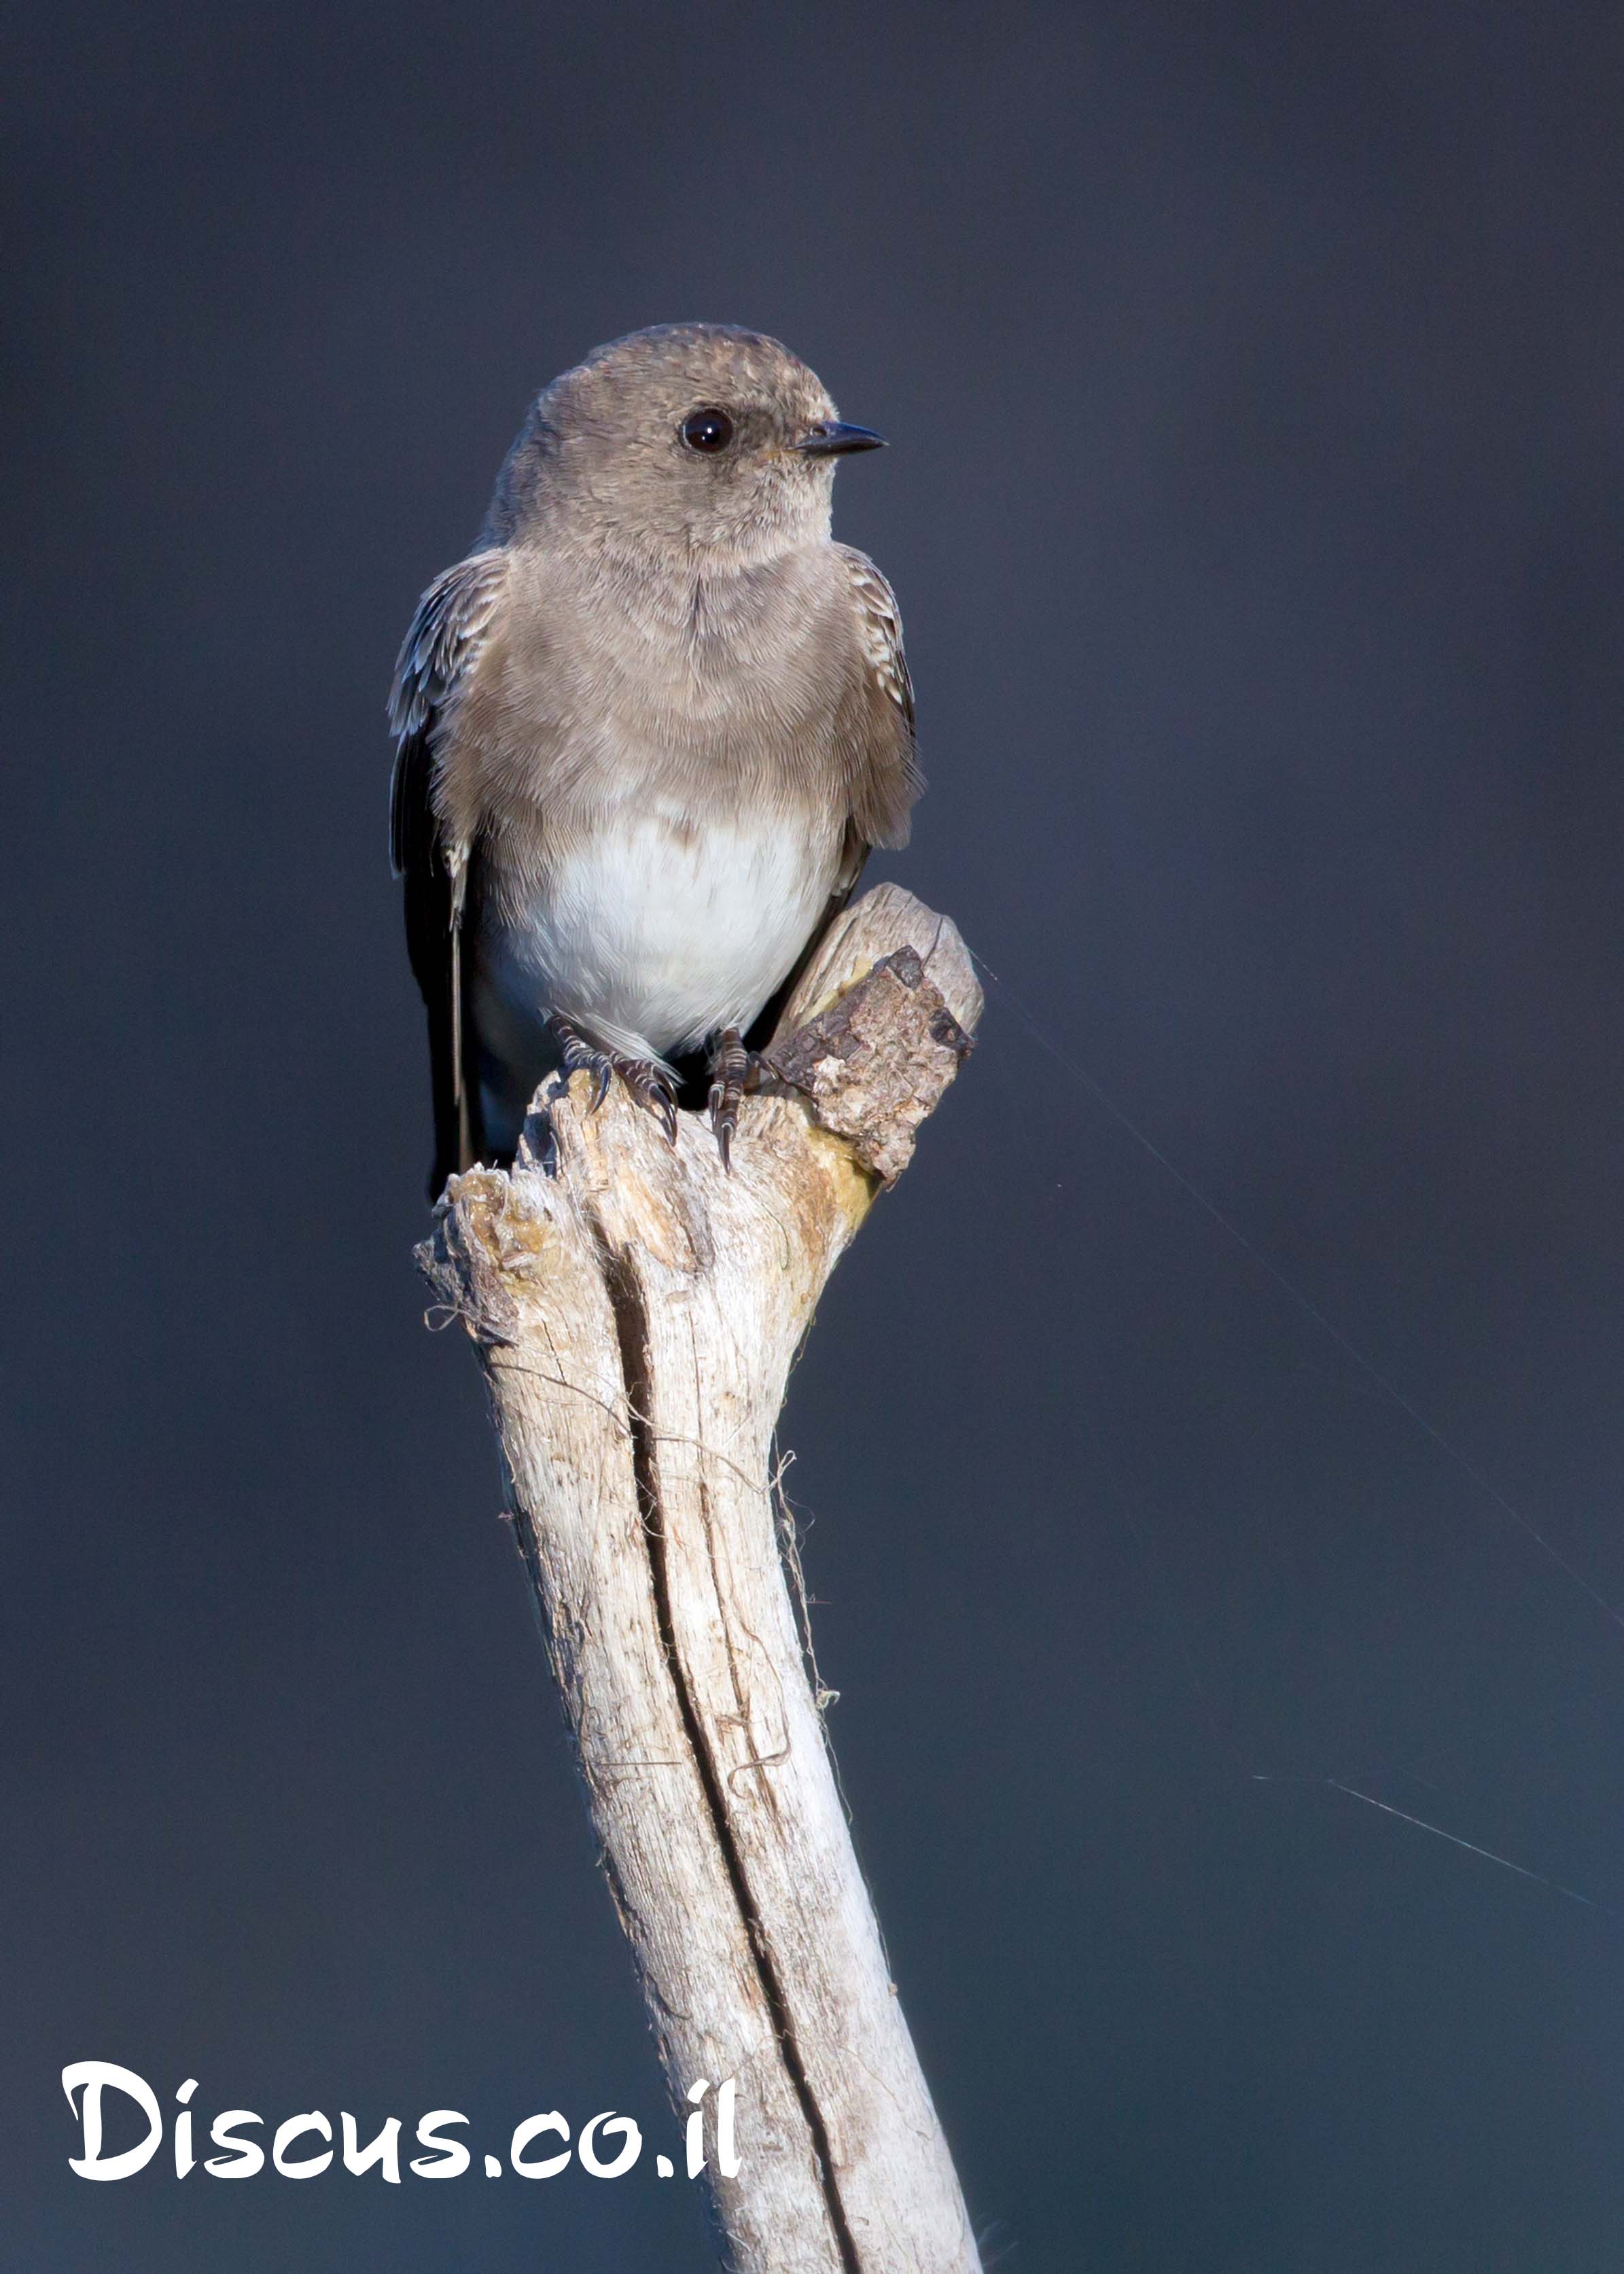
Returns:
(873,1064)
(636,1314)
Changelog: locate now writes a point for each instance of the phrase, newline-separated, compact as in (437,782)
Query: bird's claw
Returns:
(731,1072)
(650,1084)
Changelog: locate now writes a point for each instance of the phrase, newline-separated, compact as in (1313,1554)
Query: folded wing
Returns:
(450,630)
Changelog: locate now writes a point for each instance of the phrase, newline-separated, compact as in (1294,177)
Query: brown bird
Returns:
(646,734)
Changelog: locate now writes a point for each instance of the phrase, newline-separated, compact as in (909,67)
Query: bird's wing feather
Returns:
(452,623)
(874,737)
(876,727)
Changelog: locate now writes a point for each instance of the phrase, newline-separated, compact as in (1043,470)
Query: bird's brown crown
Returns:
(682,437)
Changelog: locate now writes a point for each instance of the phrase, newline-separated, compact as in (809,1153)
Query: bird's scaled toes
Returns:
(650,1084)
(731,1069)
(580,1056)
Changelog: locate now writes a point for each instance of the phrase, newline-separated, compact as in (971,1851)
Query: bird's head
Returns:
(698,441)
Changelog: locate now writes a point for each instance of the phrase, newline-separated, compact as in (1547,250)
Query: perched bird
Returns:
(646,734)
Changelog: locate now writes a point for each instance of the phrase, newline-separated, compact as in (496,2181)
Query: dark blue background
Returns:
(1254,379)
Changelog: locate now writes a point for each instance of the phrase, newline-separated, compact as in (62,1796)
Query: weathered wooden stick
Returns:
(636,1309)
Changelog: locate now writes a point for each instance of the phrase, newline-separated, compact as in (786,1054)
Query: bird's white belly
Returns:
(653,935)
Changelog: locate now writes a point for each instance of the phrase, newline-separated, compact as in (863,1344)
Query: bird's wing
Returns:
(875,725)
(874,738)
(449,629)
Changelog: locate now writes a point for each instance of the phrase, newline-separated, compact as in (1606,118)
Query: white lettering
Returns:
(184,2157)
(547,2167)
(248,2157)
(587,2150)
(726,2161)
(307,2167)
(453,2161)
(94,2077)
(385,2149)
(693,2131)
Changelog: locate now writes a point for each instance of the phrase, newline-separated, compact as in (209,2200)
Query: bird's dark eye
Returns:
(708,429)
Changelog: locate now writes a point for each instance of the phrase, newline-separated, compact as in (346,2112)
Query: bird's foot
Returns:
(734,1070)
(648,1083)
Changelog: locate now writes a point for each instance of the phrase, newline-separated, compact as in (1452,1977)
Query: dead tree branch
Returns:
(636,1311)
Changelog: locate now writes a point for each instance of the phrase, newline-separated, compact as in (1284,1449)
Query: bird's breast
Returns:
(657,926)
(684,683)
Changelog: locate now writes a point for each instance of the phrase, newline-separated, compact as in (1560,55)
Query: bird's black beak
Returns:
(832,438)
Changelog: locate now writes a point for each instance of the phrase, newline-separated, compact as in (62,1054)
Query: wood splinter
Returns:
(636,1312)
